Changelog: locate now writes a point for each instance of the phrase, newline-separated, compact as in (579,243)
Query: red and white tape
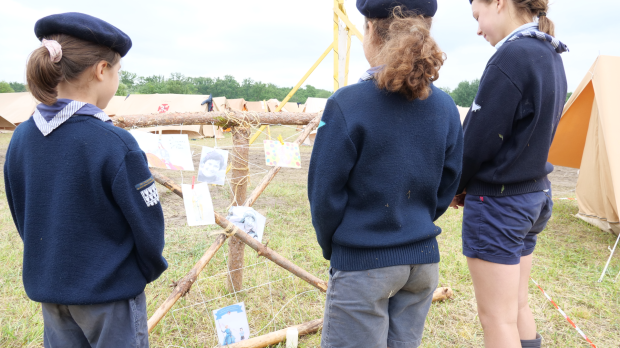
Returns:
(564,314)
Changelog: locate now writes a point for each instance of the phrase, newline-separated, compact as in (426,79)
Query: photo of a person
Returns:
(249,220)
(249,223)
(229,338)
(212,169)
(227,320)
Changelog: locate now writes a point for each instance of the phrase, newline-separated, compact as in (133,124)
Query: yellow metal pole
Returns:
(346,71)
(292,92)
(336,53)
(348,22)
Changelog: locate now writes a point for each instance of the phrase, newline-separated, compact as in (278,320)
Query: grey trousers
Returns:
(115,325)
(378,308)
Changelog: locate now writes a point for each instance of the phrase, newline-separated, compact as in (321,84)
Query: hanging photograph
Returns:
(249,220)
(198,205)
(213,163)
(231,324)
(168,151)
(279,155)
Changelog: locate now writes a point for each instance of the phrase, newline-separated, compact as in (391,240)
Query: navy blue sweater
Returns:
(77,200)
(509,130)
(383,169)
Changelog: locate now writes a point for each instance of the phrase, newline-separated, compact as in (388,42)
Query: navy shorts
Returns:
(503,229)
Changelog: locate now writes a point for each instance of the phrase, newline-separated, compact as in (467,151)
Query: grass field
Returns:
(568,261)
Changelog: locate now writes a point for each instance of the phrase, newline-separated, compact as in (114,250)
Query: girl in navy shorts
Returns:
(504,186)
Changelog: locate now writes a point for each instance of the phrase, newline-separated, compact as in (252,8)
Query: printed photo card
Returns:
(213,163)
(231,324)
(168,151)
(249,220)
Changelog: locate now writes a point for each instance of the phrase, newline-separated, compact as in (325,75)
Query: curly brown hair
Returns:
(409,56)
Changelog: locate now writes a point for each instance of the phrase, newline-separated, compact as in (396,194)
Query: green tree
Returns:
(128,78)
(465,93)
(122,90)
(18,87)
(5,88)
(568,95)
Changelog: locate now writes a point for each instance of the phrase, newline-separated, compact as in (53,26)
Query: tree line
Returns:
(248,89)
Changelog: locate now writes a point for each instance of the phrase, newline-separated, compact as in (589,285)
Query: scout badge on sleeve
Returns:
(198,204)
(148,190)
(231,324)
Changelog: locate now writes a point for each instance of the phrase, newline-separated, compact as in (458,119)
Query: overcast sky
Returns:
(278,40)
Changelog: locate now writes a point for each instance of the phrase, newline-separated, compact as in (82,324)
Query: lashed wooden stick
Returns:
(184,285)
(278,336)
(225,119)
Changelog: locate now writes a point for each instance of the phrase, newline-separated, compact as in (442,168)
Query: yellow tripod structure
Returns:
(343,30)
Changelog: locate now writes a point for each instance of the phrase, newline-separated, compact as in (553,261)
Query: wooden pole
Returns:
(239,184)
(278,336)
(224,119)
(183,286)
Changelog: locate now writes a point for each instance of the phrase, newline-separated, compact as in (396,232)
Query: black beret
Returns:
(383,8)
(85,27)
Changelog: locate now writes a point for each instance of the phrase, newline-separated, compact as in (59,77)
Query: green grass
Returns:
(567,263)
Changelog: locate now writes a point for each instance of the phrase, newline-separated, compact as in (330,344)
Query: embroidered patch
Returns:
(150,195)
(145,183)
(475,107)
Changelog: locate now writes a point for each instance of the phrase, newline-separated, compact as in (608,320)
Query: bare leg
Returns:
(526,323)
(497,294)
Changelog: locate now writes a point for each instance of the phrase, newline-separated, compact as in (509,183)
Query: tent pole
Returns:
(609,260)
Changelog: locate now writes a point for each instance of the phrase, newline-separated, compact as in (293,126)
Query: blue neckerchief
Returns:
(533,33)
(49,117)
(369,74)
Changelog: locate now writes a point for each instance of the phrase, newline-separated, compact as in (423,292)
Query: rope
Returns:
(229,231)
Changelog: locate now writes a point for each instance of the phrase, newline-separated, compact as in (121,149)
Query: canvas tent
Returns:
(144,104)
(16,108)
(587,138)
(220,104)
(293,107)
(315,104)
(237,104)
(272,104)
(463,112)
(259,106)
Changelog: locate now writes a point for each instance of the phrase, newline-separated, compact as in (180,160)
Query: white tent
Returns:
(16,108)
(315,105)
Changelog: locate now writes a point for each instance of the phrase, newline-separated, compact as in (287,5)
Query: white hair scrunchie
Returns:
(55,50)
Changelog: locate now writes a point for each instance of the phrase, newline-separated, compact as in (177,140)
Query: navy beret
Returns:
(383,8)
(85,27)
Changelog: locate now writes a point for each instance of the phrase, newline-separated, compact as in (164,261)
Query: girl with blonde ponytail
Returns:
(504,187)
(384,168)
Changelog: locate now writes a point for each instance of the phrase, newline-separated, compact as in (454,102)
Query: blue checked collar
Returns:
(369,74)
(559,46)
(49,117)
(527,26)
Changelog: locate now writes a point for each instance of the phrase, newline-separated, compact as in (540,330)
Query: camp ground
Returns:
(16,108)
(145,104)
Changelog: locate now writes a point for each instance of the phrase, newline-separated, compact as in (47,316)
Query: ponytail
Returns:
(43,75)
(410,57)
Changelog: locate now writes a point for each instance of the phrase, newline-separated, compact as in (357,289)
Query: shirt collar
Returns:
(531,25)
(49,117)
(369,74)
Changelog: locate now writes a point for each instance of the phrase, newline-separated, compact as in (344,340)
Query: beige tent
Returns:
(144,104)
(293,107)
(238,104)
(272,105)
(587,138)
(259,106)
(463,112)
(16,108)
(315,105)
(220,104)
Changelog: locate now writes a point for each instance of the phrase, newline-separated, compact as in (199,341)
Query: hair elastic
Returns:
(542,14)
(54,48)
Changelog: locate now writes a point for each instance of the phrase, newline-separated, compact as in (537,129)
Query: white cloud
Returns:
(278,40)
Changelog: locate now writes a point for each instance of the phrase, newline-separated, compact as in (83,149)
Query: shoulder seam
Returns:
(506,75)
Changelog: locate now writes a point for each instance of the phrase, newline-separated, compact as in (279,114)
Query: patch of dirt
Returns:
(564,181)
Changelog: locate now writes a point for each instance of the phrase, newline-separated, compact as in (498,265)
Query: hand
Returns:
(458,201)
